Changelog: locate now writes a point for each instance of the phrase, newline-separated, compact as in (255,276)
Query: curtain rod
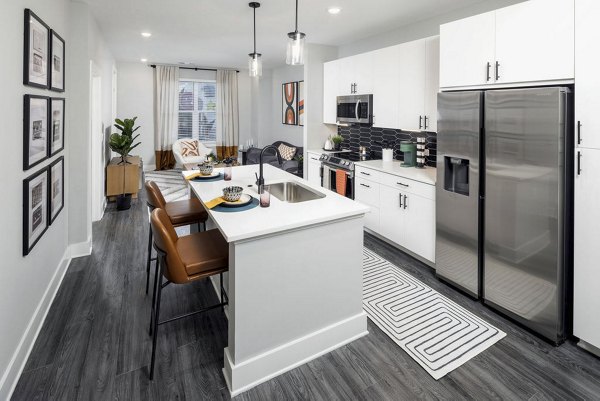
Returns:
(194,68)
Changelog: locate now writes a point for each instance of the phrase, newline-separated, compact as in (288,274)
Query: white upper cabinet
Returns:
(411,105)
(528,42)
(330,92)
(587,78)
(467,51)
(386,81)
(432,82)
(535,41)
(362,66)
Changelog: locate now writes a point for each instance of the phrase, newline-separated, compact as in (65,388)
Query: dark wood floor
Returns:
(94,344)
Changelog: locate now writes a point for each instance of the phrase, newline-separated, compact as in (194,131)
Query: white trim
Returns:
(263,367)
(21,355)
(81,249)
(508,85)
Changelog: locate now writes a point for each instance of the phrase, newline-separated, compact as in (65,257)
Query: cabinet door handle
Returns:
(405,204)
(404,185)
(487,74)
(578,163)
(497,70)
(420,122)
(578,132)
(314,159)
(363,173)
(365,185)
(426,125)
(400,199)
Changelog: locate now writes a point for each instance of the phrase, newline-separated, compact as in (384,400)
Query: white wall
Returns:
(419,29)
(29,283)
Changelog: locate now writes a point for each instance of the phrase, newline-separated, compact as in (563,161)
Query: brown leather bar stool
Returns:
(181,213)
(183,260)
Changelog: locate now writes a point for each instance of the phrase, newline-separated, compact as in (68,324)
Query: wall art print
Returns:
(35,57)
(300,103)
(35,209)
(289,101)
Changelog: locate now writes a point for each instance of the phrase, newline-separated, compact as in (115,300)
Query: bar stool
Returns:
(183,260)
(181,213)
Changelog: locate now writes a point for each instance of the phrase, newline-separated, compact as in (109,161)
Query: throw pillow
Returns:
(287,152)
(189,148)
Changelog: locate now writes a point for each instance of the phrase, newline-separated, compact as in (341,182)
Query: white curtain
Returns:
(166,114)
(227,113)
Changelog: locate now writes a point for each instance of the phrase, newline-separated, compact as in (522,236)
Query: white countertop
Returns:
(280,216)
(425,175)
(323,151)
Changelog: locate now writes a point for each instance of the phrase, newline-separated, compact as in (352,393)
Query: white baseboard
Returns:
(263,367)
(81,248)
(9,380)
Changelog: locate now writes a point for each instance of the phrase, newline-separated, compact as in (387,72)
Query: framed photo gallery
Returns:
(292,103)
(43,129)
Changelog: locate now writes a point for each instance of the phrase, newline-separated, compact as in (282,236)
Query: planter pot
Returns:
(123,201)
(337,146)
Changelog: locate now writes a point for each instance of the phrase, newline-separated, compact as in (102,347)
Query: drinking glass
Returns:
(227,172)
(265,196)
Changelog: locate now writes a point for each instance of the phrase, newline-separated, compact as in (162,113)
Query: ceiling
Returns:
(218,33)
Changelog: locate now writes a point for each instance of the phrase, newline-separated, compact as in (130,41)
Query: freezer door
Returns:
(457,190)
(523,247)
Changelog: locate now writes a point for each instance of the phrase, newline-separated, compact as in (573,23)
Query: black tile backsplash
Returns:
(355,136)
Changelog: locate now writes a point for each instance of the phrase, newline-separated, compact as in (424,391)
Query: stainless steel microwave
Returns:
(357,109)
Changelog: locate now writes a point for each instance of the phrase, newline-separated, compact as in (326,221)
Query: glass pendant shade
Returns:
(295,48)
(254,64)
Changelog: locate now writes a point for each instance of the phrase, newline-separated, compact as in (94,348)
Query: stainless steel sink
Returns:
(294,192)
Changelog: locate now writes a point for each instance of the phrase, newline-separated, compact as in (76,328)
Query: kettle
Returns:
(328,144)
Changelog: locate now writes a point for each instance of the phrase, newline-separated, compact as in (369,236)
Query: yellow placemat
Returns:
(215,202)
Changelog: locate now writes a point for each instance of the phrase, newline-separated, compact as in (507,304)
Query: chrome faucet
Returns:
(260,180)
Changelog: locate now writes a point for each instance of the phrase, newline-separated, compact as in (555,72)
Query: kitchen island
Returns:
(295,276)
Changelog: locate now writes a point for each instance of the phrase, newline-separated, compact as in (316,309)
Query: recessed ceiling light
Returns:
(146,34)
(143,60)
(334,10)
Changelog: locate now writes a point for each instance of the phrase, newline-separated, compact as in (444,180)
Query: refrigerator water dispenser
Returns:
(456,177)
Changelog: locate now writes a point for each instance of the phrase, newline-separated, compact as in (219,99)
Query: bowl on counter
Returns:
(205,168)
(232,194)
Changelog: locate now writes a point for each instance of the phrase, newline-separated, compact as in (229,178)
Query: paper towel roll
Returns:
(388,155)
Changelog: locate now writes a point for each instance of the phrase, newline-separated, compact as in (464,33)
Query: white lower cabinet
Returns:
(314,168)
(402,210)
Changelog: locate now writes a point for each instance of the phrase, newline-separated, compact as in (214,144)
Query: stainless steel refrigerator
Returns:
(502,201)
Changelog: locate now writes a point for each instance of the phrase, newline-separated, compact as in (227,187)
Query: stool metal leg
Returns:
(221,285)
(156,284)
(149,260)
(160,262)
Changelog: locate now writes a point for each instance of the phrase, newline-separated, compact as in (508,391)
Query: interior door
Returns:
(386,82)
(586,320)
(98,147)
(411,89)
(587,60)
(535,41)
(466,46)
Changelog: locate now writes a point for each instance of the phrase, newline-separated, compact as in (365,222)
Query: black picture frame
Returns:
(33,120)
(300,110)
(52,61)
(52,126)
(36,51)
(53,214)
(39,210)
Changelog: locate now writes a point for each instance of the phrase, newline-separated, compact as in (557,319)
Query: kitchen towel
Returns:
(340,182)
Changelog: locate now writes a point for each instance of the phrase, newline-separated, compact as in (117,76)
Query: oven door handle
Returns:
(357,108)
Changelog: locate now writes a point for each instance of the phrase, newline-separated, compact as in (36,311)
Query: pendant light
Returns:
(295,45)
(254,61)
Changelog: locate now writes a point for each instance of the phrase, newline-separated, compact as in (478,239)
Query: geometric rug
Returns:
(436,332)
(170,182)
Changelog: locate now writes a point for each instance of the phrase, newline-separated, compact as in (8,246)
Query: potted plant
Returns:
(337,142)
(122,144)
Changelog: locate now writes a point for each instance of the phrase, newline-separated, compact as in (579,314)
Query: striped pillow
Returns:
(287,152)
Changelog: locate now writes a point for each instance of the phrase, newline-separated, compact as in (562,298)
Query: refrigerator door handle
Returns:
(578,163)
(579,132)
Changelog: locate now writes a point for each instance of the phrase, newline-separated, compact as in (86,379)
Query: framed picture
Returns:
(35,209)
(35,60)
(289,103)
(56,188)
(57,62)
(35,130)
(57,125)
(300,103)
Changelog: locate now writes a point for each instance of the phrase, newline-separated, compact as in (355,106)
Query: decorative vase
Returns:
(123,201)
(337,146)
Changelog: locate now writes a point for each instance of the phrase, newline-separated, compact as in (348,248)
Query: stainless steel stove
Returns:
(344,162)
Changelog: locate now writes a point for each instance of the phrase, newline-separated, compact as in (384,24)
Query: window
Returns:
(198,110)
